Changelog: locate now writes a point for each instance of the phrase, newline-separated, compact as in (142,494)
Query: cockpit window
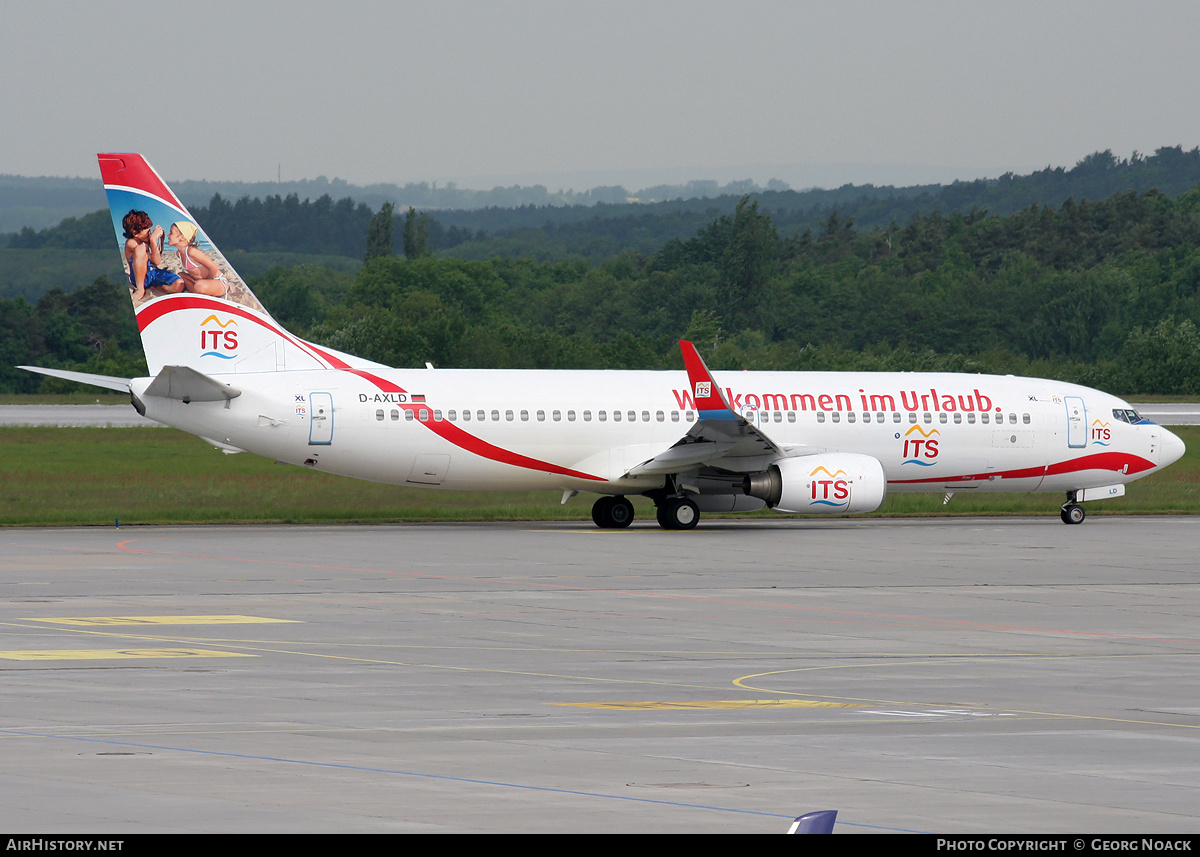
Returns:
(1127,415)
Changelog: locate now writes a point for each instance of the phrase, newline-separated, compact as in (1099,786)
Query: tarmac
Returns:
(943,676)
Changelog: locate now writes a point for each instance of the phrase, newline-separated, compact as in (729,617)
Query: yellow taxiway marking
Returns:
(160,620)
(665,705)
(114,654)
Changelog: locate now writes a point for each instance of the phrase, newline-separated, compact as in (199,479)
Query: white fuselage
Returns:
(585,430)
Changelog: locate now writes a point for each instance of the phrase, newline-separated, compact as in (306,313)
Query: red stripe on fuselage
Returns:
(159,307)
(449,431)
(1113,461)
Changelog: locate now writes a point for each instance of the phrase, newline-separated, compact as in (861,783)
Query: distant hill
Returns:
(307,220)
(41,202)
(37,203)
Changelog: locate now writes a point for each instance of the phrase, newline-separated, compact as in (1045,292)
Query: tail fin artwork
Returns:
(193,310)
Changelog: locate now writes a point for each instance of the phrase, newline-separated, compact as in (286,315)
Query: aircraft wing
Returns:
(720,437)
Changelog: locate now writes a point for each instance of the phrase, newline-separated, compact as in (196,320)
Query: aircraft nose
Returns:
(1171,450)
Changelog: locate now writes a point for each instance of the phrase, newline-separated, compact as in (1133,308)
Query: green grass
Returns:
(82,476)
(89,397)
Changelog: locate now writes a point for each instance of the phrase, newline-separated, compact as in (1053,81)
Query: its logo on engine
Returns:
(221,342)
(832,490)
(921,450)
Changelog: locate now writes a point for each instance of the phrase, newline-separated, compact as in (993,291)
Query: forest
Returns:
(1103,292)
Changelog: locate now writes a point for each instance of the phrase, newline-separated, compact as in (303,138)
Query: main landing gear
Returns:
(673,513)
(612,513)
(1072,512)
(678,513)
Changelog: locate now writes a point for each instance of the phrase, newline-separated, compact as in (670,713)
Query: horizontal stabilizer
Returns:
(187,385)
(107,381)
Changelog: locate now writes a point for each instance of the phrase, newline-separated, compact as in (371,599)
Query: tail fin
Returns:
(192,307)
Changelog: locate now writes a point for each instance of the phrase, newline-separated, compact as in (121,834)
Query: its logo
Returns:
(221,342)
(918,448)
(703,389)
(1101,434)
(833,490)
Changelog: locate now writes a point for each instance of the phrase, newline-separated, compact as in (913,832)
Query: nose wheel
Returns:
(1072,513)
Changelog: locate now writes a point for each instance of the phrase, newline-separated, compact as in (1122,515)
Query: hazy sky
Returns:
(592,92)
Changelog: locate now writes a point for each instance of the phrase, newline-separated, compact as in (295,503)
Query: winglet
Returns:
(710,402)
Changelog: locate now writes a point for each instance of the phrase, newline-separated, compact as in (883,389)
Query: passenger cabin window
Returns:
(983,418)
(541,416)
(423,416)
(452,415)
(437,415)
(1025,418)
(379,414)
(660,416)
(602,416)
(689,416)
(895,416)
(912,417)
(849,417)
(928,417)
(835,417)
(820,416)
(480,415)
(508,416)
(616,416)
(466,416)
(958,418)
(524,416)
(791,416)
(495,416)
(587,416)
(556,416)
(971,419)
(408,415)
(674,416)
(570,416)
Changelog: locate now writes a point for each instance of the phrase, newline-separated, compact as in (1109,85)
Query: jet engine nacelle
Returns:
(832,483)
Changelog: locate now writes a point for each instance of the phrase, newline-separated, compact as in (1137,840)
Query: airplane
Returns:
(823,443)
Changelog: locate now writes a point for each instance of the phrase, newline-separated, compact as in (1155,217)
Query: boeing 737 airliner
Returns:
(801,442)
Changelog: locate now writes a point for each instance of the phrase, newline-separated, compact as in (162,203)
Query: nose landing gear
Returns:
(1072,512)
